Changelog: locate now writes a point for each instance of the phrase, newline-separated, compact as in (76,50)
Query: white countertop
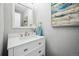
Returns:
(16,41)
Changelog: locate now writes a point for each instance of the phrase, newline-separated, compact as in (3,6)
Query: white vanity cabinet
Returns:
(26,47)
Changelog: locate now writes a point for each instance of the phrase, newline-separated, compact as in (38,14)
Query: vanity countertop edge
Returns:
(16,41)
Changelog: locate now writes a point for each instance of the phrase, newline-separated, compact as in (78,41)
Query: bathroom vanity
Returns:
(26,46)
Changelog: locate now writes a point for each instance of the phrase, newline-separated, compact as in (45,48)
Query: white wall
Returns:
(1,28)
(59,41)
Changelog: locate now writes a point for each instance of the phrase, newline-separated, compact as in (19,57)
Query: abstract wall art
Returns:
(65,14)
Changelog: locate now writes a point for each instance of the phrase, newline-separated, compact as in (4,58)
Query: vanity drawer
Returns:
(37,52)
(26,48)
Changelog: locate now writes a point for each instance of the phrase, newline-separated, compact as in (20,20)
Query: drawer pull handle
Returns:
(39,43)
(25,50)
(43,55)
(40,51)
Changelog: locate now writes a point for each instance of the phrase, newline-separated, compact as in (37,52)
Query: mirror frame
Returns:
(13,17)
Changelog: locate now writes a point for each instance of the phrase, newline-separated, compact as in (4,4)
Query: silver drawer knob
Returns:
(40,51)
(39,43)
(25,50)
(43,55)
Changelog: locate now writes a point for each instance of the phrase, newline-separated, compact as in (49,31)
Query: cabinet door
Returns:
(10,52)
(26,48)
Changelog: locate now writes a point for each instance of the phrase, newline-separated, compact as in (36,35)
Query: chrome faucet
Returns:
(26,33)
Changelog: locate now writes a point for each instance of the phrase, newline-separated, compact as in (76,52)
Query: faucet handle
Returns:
(21,35)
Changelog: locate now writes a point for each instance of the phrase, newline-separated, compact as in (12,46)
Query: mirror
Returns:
(23,16)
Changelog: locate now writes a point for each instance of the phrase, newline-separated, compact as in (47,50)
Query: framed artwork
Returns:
(65,14)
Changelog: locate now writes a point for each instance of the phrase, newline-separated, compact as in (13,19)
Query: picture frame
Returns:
(65,14)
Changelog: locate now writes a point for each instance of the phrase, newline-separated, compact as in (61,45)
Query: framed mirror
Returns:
(23,16)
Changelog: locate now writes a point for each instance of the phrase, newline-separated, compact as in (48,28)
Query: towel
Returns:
(39,30)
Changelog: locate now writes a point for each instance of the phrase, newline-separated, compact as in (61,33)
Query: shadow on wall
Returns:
(5,41)
(47,50)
